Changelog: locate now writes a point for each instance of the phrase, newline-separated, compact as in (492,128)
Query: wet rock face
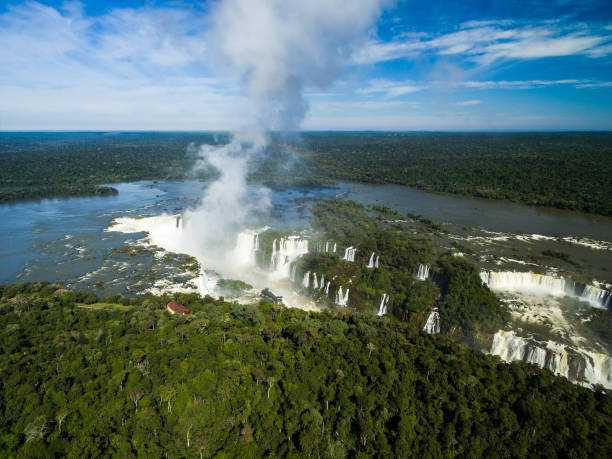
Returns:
(576,364)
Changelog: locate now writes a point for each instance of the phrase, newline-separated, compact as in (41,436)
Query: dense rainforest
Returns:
(43,165)
(563,170)
(121,377)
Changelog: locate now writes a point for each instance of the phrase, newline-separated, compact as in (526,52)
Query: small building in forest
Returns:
(177,308)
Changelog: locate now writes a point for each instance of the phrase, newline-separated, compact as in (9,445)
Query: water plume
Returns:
(228,203)
(277,48)
(281,47)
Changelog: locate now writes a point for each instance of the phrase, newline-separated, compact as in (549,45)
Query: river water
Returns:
(61,239)
(496,216)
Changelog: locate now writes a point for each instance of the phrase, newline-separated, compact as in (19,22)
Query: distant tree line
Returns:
(563,170)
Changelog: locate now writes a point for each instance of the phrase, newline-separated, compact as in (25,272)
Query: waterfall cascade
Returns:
(577,364)
(373,261)
(423,272)
(322,282)
(382,308)
(284,252)
(327,288)
(342,298)
(432,326)
(349,254)
(329,247)
(247,244)
(528,282)
(293,272)
(315,282)
(306,281)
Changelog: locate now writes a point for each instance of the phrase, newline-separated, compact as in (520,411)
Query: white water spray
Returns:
(342,297)
(576,364)
(373,261)
(432,326)
(306,281)
(382,308)
(539,284)
(423,272)
(349,254)
(285,252)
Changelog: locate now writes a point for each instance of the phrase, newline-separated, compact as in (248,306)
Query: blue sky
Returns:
(470,65)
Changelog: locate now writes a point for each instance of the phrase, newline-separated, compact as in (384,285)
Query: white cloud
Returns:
(515,84)
(389,89)
(469,102)
(485,42)
(595,84)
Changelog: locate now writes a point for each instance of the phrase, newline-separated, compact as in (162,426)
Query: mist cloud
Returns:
(279,47)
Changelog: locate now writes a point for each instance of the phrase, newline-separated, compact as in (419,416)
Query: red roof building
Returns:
(177,308)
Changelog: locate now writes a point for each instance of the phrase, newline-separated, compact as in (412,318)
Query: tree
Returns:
(38,429)
(271,382)
(167,394)
(135,395)
(59,417)
(371,348)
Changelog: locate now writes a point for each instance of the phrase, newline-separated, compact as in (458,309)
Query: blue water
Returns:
(64,239)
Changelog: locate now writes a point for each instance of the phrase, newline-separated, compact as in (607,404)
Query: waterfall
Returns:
(373,261)
(306,281)
(528,282)
(423,272)
(274,252)
(382,309)
(432,326)
(322,283)
(327,247)
(577,365)
(327,288)
(370,261)
(293,272)
(315,283)
(342,298)
(598,296)
(349,253)
(247,244)
(284,252)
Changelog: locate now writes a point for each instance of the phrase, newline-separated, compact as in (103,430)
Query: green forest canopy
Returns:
(246,381)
